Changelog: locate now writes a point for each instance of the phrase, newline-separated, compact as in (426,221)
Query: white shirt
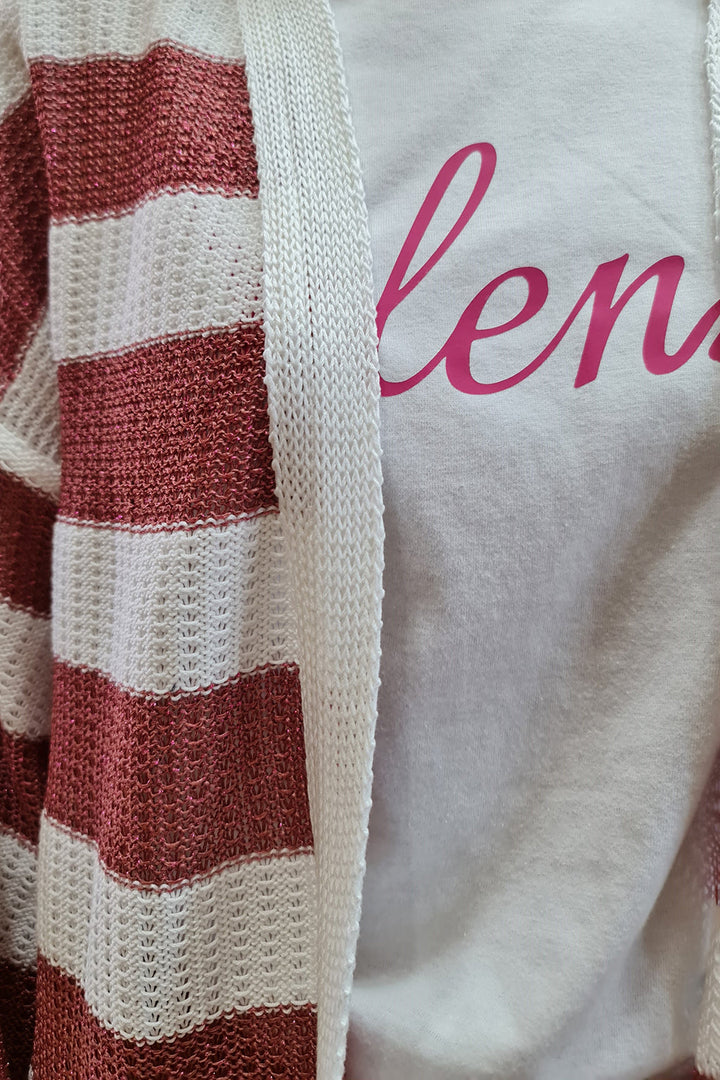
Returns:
(548,714)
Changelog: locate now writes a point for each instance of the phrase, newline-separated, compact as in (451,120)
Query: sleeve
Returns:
(29,483)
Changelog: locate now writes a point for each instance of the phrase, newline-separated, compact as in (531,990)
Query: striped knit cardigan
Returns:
(191,542)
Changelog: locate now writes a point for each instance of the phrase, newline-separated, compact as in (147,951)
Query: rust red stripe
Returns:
(23,234)
(173,788)
(17,1019)
(269,1044)
(117,129)
(26,525)
(23,777)
(172,431)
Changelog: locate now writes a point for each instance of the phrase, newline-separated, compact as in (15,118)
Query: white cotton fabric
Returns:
(548,711)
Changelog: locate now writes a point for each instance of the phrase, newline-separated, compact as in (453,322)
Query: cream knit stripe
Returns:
(30,417)
(35,469)
(17,901)
(323,387)
(712,67)
(172,611)
(25,673)
(75,30)
(707,1055)
(15,78)
(117,268)
(157,963)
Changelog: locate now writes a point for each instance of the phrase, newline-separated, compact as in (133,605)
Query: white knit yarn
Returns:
(25,672)
(15,79)
(70,30)
(155,963)
(110,266)
(172,611)
(23,461)
(323,388)
(30,418)
(708,1041)
(17,900)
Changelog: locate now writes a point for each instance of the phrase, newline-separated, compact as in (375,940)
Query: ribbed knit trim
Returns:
(323,394)
(707,1054)
(708,1040)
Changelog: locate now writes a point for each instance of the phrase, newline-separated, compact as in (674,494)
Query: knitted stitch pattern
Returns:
(190,542)
(158,887)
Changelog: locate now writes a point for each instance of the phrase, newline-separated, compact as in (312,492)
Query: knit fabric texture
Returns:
(190,541)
